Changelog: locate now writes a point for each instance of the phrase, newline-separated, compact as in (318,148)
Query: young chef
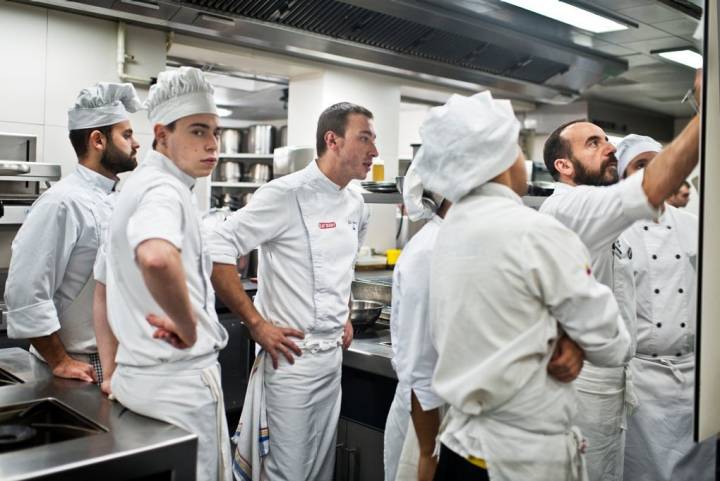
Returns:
(160,305)
(414,416)
(681,197)
(582,160)
(309,226)
(659,444)
(49,290)
(506,281)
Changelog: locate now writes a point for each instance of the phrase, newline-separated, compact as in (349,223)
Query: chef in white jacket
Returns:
(50,284)
(164,335)
(506,282)
(309,226)
(659,445)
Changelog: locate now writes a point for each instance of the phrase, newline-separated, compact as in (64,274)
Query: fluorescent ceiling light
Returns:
(570,14)
(686,57)
(224,112)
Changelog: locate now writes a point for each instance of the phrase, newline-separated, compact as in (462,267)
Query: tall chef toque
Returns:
(179,93)
(465,143)
(103,104)
(631,146)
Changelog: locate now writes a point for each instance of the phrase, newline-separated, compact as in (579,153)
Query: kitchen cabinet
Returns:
(359,452)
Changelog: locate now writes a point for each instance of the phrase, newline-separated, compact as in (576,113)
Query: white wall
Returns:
(411,118)
(48,57)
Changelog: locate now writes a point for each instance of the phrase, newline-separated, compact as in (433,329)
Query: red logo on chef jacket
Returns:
(327,225)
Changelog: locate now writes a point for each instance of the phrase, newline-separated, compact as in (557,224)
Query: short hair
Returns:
(557,148)
(80,138)
(684,183)
(170,127)
(334,118)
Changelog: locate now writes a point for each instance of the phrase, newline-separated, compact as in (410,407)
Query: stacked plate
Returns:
(380,187)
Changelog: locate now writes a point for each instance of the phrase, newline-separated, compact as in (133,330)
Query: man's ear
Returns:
(160,134)
(564,167)
(97,140)
(331,140)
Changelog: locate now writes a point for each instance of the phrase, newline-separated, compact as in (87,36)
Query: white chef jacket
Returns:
(157,203)
(505,279)
(52,261)
(305,269)
(414,355)
(664,263)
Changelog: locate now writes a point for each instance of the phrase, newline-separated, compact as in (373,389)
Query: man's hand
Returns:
(276,340)
(697,88)
(426,467)
(167,330)
(347,337)
(70,368)
(105,387)
(567,360)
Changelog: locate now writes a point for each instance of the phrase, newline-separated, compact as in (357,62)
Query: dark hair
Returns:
(557,148)
(80,138)
(334,118)
(170,127)
(684,183)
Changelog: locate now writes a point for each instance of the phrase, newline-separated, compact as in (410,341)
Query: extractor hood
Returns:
(433,41)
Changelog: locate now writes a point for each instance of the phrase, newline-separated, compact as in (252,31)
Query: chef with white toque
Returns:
(590,201)
(49,290)
(505,283)
(308,226)
(659,443)
(160,335)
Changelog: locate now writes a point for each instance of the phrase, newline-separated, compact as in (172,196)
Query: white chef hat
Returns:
(413,196)
(631,146)
(105,103)
(179,93)
(465,143)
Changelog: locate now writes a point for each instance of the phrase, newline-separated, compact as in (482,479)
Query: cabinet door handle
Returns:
(339,449)
(351,464)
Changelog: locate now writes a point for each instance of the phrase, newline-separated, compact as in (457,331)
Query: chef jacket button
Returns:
(679,354)
(677,256)
(680,290)
(654,355)
(659,324)
(654,257)
(645,227)
(682,324)
(657,291)
(669,227)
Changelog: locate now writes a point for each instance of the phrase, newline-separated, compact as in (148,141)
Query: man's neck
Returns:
(329,167)
(96,166)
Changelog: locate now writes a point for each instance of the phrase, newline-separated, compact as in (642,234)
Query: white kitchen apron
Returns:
(659,438)
(396,432)
(187,394)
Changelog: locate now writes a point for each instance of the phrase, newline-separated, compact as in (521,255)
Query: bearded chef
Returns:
(309,226)
(159,334)
(505,282)
(49,290)
(659,444)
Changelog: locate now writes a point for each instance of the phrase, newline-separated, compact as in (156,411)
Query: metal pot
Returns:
(363,314)
(282,136)
(230,171)
(260,139)
(230,141)
(258,173)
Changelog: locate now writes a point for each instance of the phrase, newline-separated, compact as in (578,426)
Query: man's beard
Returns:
(117,161)
(600,178)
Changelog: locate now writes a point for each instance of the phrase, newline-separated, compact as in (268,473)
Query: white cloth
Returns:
(395,435)
(659,440)
(309,231)
(52,260)
(179,93)
(156,203)
(188,395)
(413,197)
(631,146)
(501,289)
(465,143)
(103,104)
(599,215)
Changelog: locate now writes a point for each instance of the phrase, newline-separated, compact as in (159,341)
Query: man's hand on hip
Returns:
(276,341)
(567,360)
(347,337)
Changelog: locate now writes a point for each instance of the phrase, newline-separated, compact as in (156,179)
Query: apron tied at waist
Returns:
(671,364)
(252,436)
(211,378)
(576,445)
(631,399)
(315,343)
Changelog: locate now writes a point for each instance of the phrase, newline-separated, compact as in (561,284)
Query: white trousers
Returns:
(303,408)
(396,428)
(188,398)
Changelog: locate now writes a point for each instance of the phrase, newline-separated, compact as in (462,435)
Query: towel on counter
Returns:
(252,436)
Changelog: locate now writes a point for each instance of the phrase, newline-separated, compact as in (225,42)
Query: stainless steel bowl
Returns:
(363,314)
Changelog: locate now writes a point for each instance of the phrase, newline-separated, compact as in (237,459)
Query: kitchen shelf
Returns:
(390,198)
(238,185)
(247,156)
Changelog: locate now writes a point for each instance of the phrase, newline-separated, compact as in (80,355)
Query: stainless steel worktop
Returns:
(371,352)
(128,446)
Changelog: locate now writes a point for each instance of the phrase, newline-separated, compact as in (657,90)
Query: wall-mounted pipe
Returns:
(123,58)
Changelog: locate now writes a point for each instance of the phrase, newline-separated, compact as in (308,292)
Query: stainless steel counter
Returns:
(129,446)
(371,352)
